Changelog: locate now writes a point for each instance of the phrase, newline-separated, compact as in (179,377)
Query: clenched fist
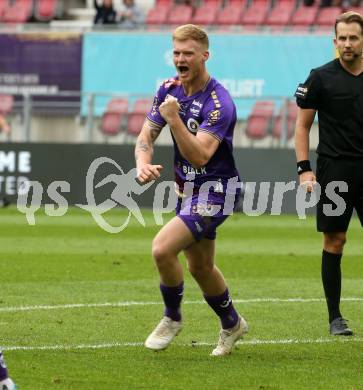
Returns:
(169,109)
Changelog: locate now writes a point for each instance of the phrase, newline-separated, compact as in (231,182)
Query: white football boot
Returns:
(7,384)
(228,338)
(163,334)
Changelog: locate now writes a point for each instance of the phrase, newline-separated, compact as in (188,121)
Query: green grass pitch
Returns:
(76,305)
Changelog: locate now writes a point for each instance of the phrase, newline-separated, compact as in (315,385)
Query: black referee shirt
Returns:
(337,95)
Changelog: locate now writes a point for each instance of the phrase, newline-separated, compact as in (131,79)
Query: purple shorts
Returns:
(203,216)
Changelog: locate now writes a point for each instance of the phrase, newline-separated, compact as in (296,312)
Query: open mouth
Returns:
(183,69)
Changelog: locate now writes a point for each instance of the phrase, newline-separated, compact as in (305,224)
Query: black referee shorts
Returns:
(333,195)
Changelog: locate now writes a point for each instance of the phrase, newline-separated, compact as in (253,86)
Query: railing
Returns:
(270,120)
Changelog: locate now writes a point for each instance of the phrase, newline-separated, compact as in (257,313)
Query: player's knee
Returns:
(160,252)
(200,270)
(334,242)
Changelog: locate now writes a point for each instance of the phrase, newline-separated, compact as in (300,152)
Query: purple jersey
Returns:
(210,110)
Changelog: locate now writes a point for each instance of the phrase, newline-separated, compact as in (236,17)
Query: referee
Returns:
(335,91)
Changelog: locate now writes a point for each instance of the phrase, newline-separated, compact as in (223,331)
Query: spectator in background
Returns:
(130,16)
(4,126)
(324,3)
(105,12)
(4,202)
(192,3)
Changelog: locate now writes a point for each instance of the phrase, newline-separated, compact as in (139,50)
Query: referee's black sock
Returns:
(332,281)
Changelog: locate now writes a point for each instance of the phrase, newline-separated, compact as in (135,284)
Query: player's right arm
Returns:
(304,121)
(144,149)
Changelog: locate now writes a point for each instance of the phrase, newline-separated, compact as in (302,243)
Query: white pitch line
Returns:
(149,303)
(61,347)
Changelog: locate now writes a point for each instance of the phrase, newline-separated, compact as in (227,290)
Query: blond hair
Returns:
(349,17)
(191,31)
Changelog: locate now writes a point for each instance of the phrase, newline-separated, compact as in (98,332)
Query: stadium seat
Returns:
(327,16)
(115,116)
(18,11)
(3,6)
(6,104)
(281,13)
(159,13)
(356,9)
(260,119)
(180,14)
(290,123)
(304,16)
(232,13)
(206,14)
(46,10)
(256,13)
(137,116)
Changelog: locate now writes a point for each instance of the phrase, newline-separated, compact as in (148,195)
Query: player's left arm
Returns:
(198,149)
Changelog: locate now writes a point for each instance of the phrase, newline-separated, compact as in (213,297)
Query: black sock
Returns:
(332,281)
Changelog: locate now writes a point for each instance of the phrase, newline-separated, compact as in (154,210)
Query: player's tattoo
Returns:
(142,146)
(155,130)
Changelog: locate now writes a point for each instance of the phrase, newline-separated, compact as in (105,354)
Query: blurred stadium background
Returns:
(64,80)
(72,92)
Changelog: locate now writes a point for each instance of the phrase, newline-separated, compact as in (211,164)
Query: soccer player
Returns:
(5,382)
(201,116)
(335,91)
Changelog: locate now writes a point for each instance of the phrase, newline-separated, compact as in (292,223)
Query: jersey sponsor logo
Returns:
(192,125)
(196,103)
(301,91)
(195,171)
(213,117)
(195,111)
